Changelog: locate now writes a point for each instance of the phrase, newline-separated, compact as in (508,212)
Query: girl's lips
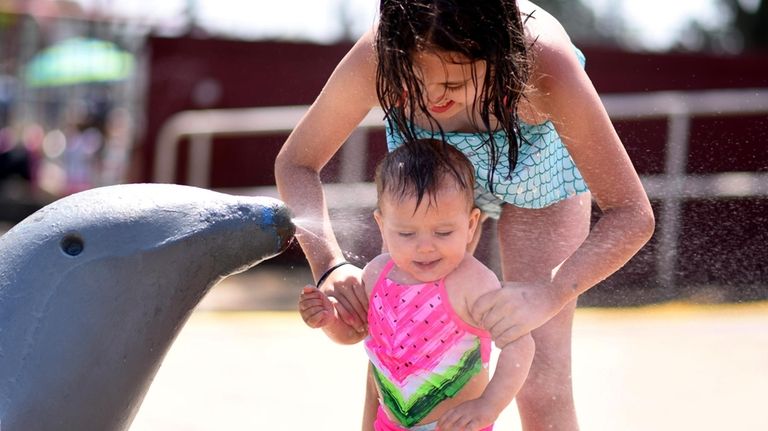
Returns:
(439,109)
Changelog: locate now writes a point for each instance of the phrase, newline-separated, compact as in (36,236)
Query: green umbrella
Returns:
(78,61)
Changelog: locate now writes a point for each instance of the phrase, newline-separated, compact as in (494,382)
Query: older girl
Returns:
(501,81)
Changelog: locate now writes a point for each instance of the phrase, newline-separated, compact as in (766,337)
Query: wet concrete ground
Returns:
(664,367)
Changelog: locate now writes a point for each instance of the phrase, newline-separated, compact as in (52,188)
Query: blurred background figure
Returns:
(82,150)
(64,67)
(117,146)
(14,158)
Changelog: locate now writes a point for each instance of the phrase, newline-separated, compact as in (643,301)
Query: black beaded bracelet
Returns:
(329,271)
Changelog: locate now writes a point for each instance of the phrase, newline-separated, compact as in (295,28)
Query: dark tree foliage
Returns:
(753,26)
(745,30)
(582,24)
(749,25)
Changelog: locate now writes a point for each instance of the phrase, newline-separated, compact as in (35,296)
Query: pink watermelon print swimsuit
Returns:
(421,351)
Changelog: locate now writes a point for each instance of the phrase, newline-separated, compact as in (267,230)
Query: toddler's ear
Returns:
(474,221)
(379,219)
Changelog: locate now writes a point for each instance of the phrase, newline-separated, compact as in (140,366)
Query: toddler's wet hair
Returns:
(421,167)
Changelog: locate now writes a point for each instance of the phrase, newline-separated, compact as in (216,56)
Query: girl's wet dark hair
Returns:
(488,30)
(421,169)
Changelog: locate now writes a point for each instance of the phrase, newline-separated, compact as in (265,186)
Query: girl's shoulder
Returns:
(541,26)
(471,279)
(553,51)
(556,62)
(373,269)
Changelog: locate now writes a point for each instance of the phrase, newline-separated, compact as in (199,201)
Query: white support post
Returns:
(198,164)
(675,167)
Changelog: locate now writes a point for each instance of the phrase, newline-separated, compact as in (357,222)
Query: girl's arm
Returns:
(342,333)
(566,95)
(347,97)
(317,311)
(627,222)
(511,368)
(510,373)
(508,377)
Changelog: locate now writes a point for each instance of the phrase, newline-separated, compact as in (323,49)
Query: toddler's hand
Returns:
(472,415)
(315,308)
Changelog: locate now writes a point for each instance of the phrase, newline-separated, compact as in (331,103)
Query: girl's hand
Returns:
(516,309)
(315,308)
(472,415)
(345,287)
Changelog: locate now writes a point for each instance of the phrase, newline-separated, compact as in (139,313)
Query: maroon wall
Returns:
(277,73)
(250,74)
(272,73)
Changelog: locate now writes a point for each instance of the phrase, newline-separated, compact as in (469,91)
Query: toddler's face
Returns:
(449,86)
(431,242)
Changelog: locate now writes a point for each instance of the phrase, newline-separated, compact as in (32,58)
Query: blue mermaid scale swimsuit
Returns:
(545,172)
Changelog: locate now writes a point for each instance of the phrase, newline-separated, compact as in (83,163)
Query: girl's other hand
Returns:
(516,310)
(315,308)
(345,287)
(472,415)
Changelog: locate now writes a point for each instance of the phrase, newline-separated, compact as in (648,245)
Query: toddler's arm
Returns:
(511,370)
(317,311)
(510,373)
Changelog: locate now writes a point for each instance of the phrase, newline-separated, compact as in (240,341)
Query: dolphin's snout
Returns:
(286,229)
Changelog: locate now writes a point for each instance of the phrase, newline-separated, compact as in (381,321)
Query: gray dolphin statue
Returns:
(95,287)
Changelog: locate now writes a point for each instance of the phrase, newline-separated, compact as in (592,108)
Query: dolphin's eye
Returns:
(72,245)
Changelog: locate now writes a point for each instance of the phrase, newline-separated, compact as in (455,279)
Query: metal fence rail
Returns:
(669,188)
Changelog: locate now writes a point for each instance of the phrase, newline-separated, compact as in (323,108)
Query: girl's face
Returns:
(430,243)
(450,82)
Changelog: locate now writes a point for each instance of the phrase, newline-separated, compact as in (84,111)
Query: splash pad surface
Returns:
(665,367)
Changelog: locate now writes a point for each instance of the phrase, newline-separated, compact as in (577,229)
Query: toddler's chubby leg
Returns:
(370,408)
